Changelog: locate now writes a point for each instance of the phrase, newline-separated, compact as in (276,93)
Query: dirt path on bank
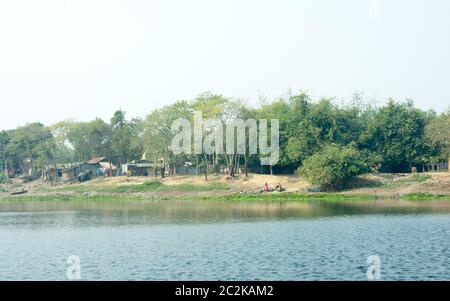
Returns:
(370,184)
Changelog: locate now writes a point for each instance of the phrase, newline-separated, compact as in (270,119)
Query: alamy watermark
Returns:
(207,137)
(73,272)
(373,272)
(374,9)
(374,269)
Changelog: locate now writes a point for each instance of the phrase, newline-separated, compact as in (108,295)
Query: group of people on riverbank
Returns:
(278,188)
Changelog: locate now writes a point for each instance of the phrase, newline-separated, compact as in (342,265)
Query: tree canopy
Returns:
(394,136)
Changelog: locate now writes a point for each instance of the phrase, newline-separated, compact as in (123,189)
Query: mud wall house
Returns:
(72,172)
(53,172)
(103,164)
(140,168)
(58,170)
(69,173)
(106,166)
(98,166)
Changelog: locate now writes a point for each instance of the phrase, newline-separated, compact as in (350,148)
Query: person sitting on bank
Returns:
(278,187)
(266,187)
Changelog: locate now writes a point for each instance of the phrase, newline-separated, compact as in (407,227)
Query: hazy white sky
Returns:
(83,59)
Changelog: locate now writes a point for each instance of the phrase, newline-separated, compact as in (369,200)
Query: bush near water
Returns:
(333,167)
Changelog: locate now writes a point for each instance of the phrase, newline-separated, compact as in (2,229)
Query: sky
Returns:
(86,59)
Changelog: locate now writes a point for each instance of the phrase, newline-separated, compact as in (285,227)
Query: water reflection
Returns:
(179,212)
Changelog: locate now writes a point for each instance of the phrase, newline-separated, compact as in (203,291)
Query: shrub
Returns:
(155,185)
(333,167)
(3,178)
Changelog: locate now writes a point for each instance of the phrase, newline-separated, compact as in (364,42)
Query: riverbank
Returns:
(417,187)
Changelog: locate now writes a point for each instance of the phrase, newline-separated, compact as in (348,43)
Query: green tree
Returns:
(281,111)
(396,136)
(63,152)
(31,144)
(333,167)
(158,135)
(100,138)
(438,137)
(90,139)
(126,139)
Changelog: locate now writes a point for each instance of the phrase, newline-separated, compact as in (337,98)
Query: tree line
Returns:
(392,137)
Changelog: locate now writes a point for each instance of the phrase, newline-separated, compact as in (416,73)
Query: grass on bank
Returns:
(291,197)
(148,186)
(273,197)
(414,179)
(76,198)
(387,181)
(425,197)
(282,197)
(269,197)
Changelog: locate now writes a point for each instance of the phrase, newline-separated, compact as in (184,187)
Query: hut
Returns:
(62,170)
(98,166)
(102,165)
(142,168)
(72,172)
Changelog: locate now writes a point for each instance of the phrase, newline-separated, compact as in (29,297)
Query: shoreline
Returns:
(412,187)
(263,198)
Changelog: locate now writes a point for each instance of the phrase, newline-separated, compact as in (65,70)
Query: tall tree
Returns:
(397,136)
(32,145)
(158,133)
(126,138)
(438,137)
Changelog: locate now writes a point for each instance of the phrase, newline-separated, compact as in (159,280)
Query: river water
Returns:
(185,240)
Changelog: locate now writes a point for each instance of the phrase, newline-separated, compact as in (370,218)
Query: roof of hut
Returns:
(96,160)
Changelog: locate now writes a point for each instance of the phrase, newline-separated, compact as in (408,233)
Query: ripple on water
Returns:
(35,246)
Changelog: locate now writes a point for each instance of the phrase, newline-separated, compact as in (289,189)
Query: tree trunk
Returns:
(196,165)
(56,171)
(173,168)
(245,166)
(119,167)
(206,167)
(227,159)
(216,163)
(232,171)
(271,171)
(6,171)
(238,165)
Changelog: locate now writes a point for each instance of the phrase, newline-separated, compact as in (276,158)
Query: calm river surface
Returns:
(182,240)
